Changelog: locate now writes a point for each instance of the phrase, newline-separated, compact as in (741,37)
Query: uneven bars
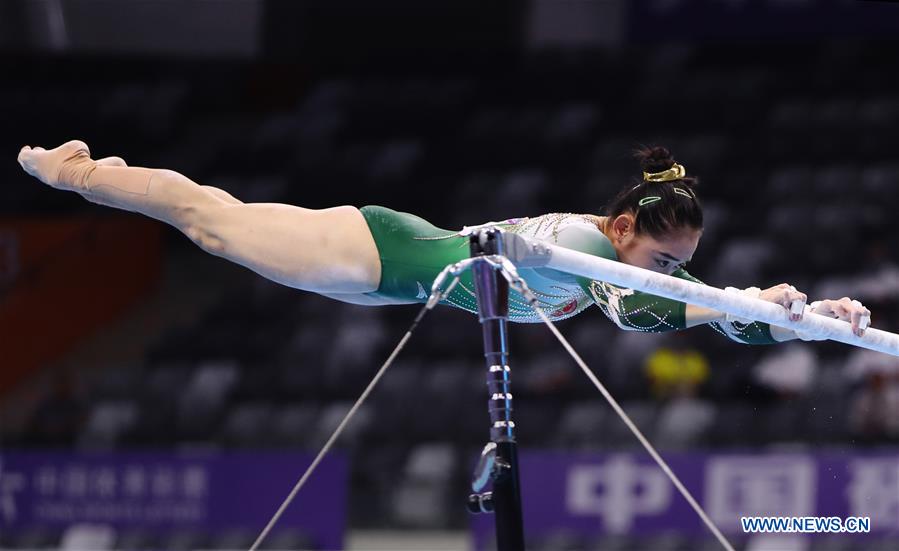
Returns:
(527,253)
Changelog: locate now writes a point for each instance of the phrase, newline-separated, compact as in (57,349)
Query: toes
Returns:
(26,156)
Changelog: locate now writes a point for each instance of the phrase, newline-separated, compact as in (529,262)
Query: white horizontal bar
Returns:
(625,275)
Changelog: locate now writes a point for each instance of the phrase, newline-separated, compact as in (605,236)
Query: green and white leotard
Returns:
(413,252)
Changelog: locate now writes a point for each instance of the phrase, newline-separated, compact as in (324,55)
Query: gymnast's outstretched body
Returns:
(377,256)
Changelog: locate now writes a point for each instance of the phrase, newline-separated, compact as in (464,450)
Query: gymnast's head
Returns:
(656,222)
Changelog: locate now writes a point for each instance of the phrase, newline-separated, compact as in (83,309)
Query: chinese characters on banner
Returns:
(602,494)
(211,492)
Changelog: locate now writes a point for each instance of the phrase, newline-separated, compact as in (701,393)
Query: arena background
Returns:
(156,397)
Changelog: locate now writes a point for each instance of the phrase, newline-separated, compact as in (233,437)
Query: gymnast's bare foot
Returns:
(65,167)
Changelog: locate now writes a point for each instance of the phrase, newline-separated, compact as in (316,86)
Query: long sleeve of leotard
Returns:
(747,333)
(637,311)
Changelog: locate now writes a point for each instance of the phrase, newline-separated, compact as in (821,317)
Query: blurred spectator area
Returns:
(321,30)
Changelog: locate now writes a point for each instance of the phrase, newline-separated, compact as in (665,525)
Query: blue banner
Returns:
(210,492)
(600,494)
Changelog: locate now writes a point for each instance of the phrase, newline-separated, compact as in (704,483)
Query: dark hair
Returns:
(659,207)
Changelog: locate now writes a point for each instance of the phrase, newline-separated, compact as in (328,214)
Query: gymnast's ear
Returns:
(623,226)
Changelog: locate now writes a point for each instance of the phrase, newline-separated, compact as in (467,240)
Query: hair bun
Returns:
(654,158)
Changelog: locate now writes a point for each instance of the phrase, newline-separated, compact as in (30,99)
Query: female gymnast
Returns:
(377,256)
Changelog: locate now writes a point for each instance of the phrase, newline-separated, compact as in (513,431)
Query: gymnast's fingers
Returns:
(787,296)
(839,309)
(791,299)
(795,302)
(860,317)
(846,310)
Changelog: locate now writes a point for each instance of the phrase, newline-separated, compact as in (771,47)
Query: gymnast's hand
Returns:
(845,309)
(786,295)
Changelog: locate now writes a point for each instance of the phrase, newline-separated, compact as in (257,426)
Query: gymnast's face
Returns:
(663,254)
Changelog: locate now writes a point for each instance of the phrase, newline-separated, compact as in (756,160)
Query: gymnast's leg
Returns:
(325,251)
(352,298)
(220,193)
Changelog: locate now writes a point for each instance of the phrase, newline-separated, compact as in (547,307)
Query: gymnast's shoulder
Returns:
(580,232)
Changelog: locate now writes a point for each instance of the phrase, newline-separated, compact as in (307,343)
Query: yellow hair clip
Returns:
(676,172)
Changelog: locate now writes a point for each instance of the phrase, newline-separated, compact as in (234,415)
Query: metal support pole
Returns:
(499,461)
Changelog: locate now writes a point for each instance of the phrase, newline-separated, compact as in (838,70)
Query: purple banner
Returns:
(600,494)
(210,492)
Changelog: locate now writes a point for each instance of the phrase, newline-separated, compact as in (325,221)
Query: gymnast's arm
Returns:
(750,333)
(635,310)
(638,311)
(845,309)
